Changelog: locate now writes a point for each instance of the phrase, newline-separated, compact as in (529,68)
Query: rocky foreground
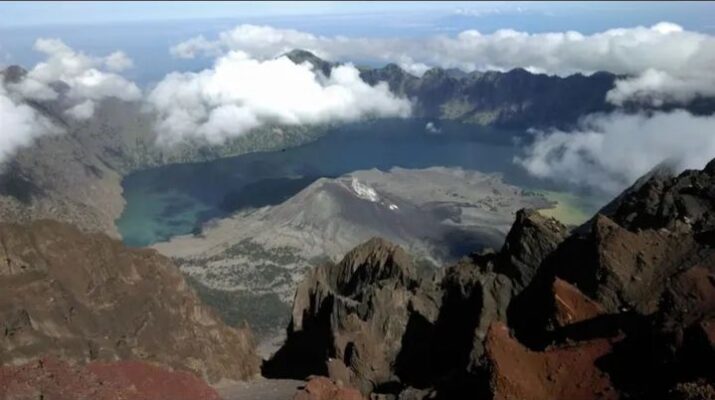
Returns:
(84,317)
(621,308)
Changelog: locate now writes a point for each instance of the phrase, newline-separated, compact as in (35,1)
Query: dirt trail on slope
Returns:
(261,389)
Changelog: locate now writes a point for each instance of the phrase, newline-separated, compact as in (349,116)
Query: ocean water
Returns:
(177,199)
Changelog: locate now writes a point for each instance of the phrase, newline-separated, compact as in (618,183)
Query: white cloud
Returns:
(609,152)
(82,111)
(681,59)
(118,61)
(430,127)
(657,87)
(82,74)
(240,93)
(21,124)
(80,79)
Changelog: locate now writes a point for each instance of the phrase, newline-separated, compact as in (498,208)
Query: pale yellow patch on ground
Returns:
(570,209)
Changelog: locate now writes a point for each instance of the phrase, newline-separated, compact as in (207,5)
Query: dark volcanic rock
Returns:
(369,320)
(86,297)
(624,270)
(352,320)
(622,307)
(531,239)
(683,202)
(302,56)
(477,291)
(473,296)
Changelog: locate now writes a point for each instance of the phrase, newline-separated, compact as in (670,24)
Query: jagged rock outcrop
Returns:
(621,307)
(477,291)
(371,322)
(86,297)
(531,239)
(350,320)
(683,202)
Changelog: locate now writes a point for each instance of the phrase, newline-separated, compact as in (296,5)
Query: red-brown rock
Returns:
(50,378)
(154,382)
(85,297)
(572,306)
(561,373)
(322,388)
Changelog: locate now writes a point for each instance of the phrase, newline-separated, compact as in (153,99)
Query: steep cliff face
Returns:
(622,307)
(370,321)
(86,297)
(350,320)
(513,99)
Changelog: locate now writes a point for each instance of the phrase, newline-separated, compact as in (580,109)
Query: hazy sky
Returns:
(585,15)
(146,30)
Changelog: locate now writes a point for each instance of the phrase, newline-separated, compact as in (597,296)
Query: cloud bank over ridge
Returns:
(240,93)
(87,78)
(662,62)
(21,124)
(75,79)
(251,85)
(610,151)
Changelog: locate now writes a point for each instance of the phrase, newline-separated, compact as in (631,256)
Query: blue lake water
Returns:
(176,199)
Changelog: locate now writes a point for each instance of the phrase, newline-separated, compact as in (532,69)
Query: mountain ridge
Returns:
(621,307)
(437,213)
(514,99)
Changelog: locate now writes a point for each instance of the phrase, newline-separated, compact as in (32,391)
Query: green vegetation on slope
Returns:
(262,312)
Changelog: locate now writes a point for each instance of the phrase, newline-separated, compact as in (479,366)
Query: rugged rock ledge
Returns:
(622,307)
(85,297)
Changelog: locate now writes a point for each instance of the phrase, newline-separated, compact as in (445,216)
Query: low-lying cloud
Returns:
(84,79)
(663,62)
(21,124)
(240,93)
(609,152)
(75,79)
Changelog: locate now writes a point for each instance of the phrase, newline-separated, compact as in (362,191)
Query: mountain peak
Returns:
(371,262)
(300,56)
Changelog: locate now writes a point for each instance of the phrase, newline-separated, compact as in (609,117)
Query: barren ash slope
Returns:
(438,213)
(621,308)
